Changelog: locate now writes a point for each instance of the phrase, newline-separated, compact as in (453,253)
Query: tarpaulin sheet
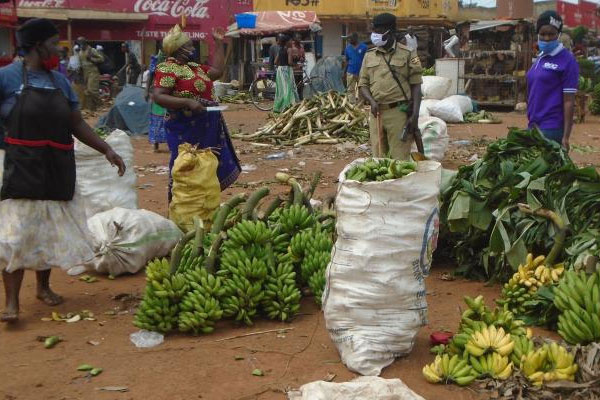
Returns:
(272,22)
(130,112)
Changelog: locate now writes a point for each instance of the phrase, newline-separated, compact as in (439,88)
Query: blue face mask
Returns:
(547,47)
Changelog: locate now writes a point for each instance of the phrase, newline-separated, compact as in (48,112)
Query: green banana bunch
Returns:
(296,218)
(281,296)
(242,298)
(449,369)
(205,283)
(578,298)
(199,312)
(380,170)
(493,365)
(499,317)
(248,233)
(155,313)
(174,287)
(317,283)
(189,259)
(550,362)
(523,346)
(157,270)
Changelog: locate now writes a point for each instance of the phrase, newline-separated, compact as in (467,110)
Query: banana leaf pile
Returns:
(482,225)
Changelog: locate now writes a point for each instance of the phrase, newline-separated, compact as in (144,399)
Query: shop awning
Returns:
(73,14)
(273,22)
(482,25)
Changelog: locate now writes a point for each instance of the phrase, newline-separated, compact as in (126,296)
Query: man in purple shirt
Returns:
(552,83)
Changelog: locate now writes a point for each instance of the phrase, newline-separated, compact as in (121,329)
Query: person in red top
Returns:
(185,89)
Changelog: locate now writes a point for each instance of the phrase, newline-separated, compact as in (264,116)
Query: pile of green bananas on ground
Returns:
(159,307)
(243,266)
(577,296)
(379,170)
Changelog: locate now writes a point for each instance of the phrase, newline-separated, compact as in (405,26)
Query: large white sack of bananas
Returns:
(98,181)
(196,189)
(434,132)
(374,300)
(125,240)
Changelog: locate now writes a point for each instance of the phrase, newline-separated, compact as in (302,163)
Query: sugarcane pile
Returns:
(252,262)
(327,118)
(494,345)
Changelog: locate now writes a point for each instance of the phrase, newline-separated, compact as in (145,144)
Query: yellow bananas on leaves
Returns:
(551,362)
(449,369)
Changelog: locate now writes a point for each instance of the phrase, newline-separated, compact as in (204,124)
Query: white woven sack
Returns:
(435,87)
(435,138)
(374,301)
(98,181)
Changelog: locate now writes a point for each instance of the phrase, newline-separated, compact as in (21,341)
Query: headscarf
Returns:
(550,18)
(35,31)
(174,40)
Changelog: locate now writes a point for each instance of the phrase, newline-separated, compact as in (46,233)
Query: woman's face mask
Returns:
(547,46)
(377,39)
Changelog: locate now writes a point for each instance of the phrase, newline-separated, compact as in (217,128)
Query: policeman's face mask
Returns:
(378,38)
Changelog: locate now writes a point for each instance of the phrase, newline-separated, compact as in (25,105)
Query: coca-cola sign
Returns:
(174,8)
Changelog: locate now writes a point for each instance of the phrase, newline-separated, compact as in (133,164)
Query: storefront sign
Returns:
(174,8)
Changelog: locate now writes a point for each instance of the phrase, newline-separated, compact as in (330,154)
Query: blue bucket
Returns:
(245,21)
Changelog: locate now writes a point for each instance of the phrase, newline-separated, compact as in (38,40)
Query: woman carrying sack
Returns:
(43,219)
(185,89)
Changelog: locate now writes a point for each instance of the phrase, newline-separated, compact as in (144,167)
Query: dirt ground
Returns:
(219,366)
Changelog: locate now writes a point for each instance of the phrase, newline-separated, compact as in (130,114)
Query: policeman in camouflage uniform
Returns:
(390,102)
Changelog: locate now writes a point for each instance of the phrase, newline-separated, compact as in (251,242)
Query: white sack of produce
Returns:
(374,301)
(98,181)
(452,109)
(435,87)
(125,240)
(435,137)
(361,388)
(425,105)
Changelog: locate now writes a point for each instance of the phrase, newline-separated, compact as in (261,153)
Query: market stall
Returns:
(251,45)
(497,55)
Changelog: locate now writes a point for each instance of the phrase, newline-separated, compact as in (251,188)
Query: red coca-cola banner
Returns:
(201,15)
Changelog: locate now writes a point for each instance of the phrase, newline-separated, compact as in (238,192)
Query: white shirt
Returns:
(411,42)
(74,63)
(145,77)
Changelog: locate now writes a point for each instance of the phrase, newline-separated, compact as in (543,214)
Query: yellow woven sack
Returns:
(196,189)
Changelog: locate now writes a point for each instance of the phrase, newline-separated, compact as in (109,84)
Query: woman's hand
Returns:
(218,34)
(566,144)
(195,106)
(114,159)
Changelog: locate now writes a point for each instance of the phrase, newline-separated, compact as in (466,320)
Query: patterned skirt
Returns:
(157,132)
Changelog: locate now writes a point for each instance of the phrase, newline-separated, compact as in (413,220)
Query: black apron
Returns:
(40,161)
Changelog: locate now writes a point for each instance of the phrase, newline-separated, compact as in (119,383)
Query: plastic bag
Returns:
(98,181)
(125,240)
(374,300)
(435,138)
(425,105)
(452,109)
(196,188)
(361,388)
(435,87)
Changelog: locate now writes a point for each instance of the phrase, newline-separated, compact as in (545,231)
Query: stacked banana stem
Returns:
(493,344)
(254,261)
(327,118)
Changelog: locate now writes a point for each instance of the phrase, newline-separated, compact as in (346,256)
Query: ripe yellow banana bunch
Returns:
(549,363)
(490,339)
(548,276)
(493,365)
(449,369)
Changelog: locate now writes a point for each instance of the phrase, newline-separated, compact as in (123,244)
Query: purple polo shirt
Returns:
(550,76)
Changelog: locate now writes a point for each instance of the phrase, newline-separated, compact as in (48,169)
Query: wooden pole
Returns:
(69,33)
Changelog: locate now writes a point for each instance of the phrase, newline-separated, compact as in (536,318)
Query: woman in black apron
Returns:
(43,221)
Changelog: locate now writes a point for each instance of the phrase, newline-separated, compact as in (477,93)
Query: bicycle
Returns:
(262,90)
